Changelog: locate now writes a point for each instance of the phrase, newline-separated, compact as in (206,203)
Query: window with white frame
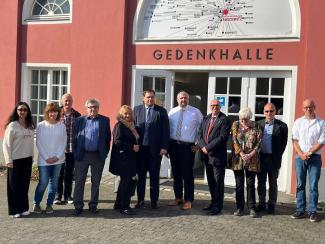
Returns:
(47,11)
(158,85)
(46,85)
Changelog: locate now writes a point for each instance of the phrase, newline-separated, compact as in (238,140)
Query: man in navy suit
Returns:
(275,136)
(152,123)
(212,139)
(91,142)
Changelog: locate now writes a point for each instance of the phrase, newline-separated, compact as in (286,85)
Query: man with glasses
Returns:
(308,136)
(274,142)
(91,142)
(212,139)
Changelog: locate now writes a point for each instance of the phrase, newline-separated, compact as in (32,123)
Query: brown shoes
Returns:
(187,206)
(176,202)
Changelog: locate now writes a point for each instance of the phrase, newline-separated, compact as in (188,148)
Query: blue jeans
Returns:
(48,176)
(313,167)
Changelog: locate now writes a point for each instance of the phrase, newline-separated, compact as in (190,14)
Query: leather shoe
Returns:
(77,211)
(214,211)
(155,205)
(127,211)
(139,204)
(187,206)
(239,212)
(260,208)
(270,211)
(208,208)
(176,202)
(93,210)
(116,206)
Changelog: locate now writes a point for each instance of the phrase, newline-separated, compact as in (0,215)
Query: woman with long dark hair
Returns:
(18,149)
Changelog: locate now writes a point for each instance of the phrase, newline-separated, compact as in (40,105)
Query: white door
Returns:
(237,90)
(162,82)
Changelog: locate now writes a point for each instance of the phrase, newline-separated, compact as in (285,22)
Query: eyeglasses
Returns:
(309,107)
(22,109)
(215,105)
(268,111)
(92,107)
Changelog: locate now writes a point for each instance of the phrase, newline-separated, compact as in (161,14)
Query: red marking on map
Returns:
(225,11)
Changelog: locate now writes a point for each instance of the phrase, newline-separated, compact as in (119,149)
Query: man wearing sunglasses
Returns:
(275,136)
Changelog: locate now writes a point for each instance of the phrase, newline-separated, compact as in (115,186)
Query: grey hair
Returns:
(92,101)
(245,113)
(183,92)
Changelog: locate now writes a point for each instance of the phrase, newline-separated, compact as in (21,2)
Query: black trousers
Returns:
(148,163)
(216,182)
(66,177)
(182,162)
(18,179)
(268,170)
(240,186)
(124,192)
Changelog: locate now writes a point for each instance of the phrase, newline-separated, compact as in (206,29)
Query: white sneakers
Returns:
(26,213)
(16,216)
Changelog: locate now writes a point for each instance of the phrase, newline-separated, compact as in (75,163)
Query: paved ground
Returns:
(166,225)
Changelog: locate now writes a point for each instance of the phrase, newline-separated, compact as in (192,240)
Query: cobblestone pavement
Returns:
(166,225)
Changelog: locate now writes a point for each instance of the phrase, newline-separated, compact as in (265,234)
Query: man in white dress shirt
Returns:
(184,122)
(308,135)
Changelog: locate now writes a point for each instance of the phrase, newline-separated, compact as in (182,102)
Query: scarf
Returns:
(130,126)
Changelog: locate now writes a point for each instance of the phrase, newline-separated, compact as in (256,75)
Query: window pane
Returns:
(277,86)
(56,77)
(33,107)
(234,104)
(34,119)
(43,77)
(160,99)
(55,93)
(34,94)
(221,85)
(34,77)
(44,12)
(147,82)
(59,2)
(160,84)
(37,8)
(42,105)
(262,86)
(64,78)
(64,90)
(233,118)
(278,102)
(259,106)
(66,7)
(43,92)
(235,85)
(257,118)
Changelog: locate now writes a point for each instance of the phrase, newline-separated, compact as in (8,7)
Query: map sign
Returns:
(216,19)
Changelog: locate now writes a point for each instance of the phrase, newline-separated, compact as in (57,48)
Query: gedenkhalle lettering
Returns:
(223,54)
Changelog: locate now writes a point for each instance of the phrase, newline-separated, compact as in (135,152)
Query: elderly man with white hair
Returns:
(91,143)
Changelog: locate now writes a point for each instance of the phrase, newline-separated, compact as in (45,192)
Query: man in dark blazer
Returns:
(212,139)
(275,136)
(91,143)
(152,124)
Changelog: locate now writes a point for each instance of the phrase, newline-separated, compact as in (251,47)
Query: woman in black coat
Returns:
(123,158)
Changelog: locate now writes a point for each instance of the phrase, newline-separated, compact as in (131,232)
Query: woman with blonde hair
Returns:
(124,157)
(51,141)
(246,137)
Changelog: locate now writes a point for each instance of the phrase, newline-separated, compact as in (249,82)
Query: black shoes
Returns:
(214,211)
(139,204)
(93,209)
(253,213)
(155,205)
(128,211)
(77,211)
(298,215)
(313,218)
(208,208)
(260,208)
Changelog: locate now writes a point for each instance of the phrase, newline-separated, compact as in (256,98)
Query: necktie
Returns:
(148,118)
(179,125)
(210,128)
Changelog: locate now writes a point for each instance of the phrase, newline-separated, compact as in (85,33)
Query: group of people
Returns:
(68,142)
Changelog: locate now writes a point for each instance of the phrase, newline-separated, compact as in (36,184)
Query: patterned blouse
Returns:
(246,141)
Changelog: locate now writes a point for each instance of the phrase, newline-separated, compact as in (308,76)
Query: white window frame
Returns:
(26,79)
(28,19)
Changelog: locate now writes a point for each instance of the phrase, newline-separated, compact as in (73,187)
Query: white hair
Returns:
(92,101)
(245,113)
